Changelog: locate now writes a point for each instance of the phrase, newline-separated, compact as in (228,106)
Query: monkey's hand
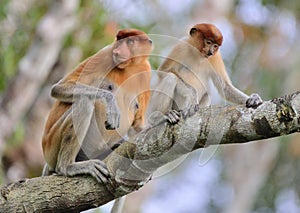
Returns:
(254,101)
(112,110)
(113,116)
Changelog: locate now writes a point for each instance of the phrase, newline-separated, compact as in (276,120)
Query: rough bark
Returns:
(134,161)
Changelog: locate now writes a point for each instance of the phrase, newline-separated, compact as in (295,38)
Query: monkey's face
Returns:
(130,44)
(207,38)
(122,51)
(209,48)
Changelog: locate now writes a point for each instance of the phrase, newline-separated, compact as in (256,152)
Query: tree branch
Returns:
(134,161)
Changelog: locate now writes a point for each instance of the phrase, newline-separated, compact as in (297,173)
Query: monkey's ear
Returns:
(193,30)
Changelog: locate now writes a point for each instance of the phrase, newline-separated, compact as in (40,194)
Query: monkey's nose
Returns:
(108,126)
(209,53)
(116,51)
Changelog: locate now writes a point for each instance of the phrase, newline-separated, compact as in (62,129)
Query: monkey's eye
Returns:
(208,42)
(216,46)
(130,41)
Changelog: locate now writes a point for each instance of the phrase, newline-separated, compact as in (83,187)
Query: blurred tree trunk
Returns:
(246,178)
(239,160)
(36,65)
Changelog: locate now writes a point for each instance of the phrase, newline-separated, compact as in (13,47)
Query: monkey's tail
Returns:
(46,171)
(118,205)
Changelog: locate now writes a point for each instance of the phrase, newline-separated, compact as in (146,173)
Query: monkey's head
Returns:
(130,47)
(207,38)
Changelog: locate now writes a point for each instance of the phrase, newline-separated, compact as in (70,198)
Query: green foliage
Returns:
(91,35)
(274,2)
(292,5)
(3,9)
(284,176)
(270,84)
(17,137)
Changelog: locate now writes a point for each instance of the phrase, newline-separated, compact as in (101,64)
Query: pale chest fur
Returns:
(195,71)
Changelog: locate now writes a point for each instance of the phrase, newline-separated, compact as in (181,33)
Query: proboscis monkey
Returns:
(96,105)
(185,73)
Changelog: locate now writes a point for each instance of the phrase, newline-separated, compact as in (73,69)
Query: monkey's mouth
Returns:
(205,55)
(123,59)
(119,59)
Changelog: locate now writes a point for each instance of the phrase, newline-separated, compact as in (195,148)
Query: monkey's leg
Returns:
(73,131)
(162,98)
(185,99)
(185,102)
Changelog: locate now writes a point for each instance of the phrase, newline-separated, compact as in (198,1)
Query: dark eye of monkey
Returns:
(110,87)
(208,42)
(130,41)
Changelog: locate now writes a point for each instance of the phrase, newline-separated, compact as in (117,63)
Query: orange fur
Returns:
(133,77)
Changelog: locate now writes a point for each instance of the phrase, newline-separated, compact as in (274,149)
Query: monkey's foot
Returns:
(173,116)
(96,168)
(190,111)
(116,145)
(254,101)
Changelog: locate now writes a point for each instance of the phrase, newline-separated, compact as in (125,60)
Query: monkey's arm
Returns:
(226,89)
(71,92)
(68,134)
(185,99)
(161,100)
(71,87)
